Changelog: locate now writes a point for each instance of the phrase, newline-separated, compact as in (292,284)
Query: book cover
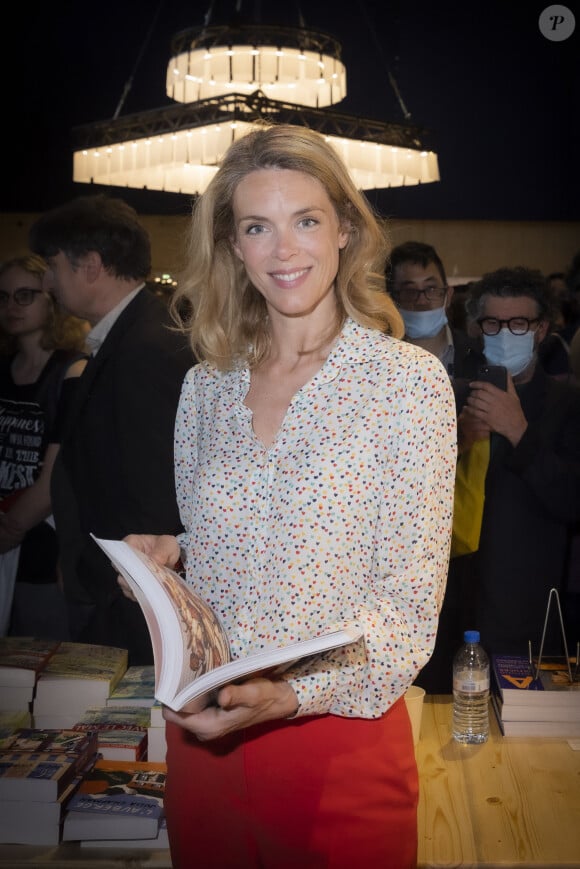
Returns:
(121,730)
(36,739)
(77,676)
(36,775)
(114,718)
(514,678)
(23,658)
(117,800)
(10,722)
(136,688)
(190,647)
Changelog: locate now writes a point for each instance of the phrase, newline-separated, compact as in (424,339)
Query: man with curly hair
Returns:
(532,489)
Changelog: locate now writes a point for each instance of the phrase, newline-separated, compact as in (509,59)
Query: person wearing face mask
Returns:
(532,487)
(416,280)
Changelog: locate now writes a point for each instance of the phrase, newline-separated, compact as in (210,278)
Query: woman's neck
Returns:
(29,360)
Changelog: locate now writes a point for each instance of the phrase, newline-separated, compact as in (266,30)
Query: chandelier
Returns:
(223,81)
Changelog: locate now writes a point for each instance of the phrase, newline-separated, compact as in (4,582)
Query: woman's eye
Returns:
(308,222)
(254,229)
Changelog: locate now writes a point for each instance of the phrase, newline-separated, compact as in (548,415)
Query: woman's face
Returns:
(288,236)
(22,319)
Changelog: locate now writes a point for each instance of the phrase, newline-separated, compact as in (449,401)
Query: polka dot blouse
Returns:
(345,519)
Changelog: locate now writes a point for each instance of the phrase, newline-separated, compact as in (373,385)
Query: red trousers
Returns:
(313,793)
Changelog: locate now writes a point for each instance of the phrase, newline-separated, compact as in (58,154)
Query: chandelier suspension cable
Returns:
(391,77)
(129,82)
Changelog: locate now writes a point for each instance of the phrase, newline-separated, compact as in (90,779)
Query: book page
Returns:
(190,639)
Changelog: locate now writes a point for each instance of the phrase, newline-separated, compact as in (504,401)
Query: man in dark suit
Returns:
(114,474)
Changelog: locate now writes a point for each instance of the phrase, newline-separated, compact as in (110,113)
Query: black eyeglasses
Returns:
(23,297)
(411,296)
(516,325)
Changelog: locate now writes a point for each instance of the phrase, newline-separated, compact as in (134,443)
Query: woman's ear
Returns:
(236,248)
(343,238)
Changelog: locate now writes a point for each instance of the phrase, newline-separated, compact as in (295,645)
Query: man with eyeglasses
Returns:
(532,488)
(416,280)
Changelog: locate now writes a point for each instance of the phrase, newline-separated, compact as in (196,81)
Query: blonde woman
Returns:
(40,357)
(315,461)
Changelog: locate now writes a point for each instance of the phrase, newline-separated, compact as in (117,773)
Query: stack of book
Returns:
(22,659)
(161,840)
(118,802)
(77,675)
(40,771)
(156,741)
(121,730)
(548,705)
(136,688)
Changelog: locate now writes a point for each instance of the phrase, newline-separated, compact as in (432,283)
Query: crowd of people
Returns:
(287,433)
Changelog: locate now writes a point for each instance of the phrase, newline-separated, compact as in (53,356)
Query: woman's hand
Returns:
(238,706)
(162,548)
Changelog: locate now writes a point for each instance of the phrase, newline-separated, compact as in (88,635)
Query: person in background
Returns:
(567,288)
(532,487)
(114,471)
(41,357)
(416,279)
(554,351)
(313,494)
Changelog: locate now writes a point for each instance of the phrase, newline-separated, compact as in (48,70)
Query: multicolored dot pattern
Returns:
(345,519)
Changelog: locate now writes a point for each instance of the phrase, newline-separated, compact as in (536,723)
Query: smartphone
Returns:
(495,374)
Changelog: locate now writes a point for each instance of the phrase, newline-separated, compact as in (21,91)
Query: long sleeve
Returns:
(345,519)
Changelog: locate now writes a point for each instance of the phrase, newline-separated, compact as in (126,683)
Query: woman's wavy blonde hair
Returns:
(61,331)
(215,303)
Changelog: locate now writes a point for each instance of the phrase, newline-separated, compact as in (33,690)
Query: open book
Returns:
(190,646)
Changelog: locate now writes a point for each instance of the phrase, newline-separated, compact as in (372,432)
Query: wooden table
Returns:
(509,802)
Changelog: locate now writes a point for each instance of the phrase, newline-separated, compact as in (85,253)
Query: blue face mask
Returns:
(423,324)
(515,352)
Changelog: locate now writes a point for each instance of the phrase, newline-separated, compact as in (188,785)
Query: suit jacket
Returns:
(468,356)
(114,474)
(532,500)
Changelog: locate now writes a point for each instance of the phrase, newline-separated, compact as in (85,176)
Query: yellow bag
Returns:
(469,497)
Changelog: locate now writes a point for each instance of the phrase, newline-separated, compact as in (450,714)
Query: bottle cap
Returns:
(471,636)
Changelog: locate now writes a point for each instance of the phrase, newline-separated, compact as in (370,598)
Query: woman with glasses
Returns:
(532,487)
(40,358)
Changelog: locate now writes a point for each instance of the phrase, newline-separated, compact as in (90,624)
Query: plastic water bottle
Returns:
(471,691)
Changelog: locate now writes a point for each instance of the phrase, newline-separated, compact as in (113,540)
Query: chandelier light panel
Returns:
(224,80)
(185,162)
(285,64)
